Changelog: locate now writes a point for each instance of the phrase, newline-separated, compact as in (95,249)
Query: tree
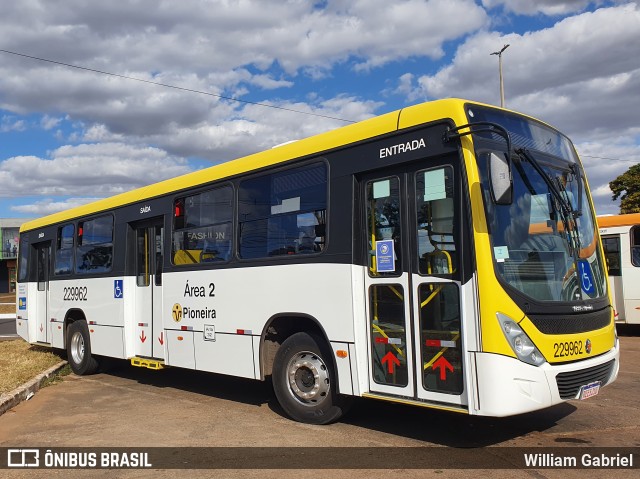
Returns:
(627,187)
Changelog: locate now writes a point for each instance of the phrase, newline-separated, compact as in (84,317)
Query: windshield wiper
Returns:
(566,210)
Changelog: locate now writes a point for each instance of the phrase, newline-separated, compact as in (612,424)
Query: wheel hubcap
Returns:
(77,348)
(308,378)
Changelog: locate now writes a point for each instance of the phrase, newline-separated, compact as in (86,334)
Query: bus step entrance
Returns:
(147,363)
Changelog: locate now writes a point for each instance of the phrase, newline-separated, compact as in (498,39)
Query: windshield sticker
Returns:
(434,185)
(501,253)
(381,189)
(586,277)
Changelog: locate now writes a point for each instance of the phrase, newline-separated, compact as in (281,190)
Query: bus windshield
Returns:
(544,243)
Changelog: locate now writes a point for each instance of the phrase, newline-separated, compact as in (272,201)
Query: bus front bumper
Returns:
(506,386)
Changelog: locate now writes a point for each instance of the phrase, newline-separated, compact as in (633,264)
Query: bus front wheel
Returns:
(79,349)
(304,380)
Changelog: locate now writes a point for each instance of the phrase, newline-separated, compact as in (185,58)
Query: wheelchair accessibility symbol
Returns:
(117,289)
(586,277)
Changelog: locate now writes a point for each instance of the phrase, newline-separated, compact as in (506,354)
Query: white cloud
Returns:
(547,7)
(603,162)
(205,36)
(88,169)
(10,123)
(267,83)
(256,128)
(582,75)
(582,48)
(218,47)
(49,123)
(48,206)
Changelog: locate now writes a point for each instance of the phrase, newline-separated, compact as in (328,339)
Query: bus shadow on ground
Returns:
(628,329)
(448,428)
(246,391)
(428,425)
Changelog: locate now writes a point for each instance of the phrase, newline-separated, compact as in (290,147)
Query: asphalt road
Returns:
(133,408)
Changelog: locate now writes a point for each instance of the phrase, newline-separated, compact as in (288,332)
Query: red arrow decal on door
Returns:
(161,338)
(443,364)
(390,359)
(143,338)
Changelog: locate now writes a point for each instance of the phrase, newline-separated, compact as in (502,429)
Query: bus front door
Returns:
(43,265)
(148,237)
(412,292)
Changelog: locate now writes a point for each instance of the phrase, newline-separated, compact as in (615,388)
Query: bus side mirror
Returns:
(500,179)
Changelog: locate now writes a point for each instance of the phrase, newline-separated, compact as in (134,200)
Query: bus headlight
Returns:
(519,341)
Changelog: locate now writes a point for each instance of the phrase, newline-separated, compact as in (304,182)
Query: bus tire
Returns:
(79,349)
(304,380)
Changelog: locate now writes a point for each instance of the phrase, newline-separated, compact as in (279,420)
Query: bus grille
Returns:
(572,323)
(569,383)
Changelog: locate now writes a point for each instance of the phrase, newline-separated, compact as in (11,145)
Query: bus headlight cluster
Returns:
(519,341)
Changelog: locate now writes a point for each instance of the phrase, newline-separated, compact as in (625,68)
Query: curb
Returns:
(19,394)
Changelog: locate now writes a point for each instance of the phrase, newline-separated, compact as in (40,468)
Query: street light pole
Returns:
(500,69)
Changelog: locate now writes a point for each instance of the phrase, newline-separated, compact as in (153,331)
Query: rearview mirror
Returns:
(500,179)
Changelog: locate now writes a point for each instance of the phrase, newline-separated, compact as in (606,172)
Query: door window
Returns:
(388,335)
(437,249)
(635,245)
(440,338)
(384,230)
(43,267)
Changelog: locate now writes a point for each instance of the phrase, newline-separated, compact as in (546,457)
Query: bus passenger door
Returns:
(388,290)
(435,280)
(149,244)
(413,293)
(43,265)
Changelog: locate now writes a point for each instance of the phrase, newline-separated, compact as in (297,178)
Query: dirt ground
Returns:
(7,298)
(175,408)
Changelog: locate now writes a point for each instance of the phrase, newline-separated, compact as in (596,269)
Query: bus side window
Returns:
(283,213)
(94,250)
(634,234)
(611,245)
(23,260)
(202,227)
(64,250)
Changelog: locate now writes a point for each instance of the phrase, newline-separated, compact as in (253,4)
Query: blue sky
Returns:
(68,136)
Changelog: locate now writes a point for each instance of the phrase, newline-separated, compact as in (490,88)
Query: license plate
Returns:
(589,390)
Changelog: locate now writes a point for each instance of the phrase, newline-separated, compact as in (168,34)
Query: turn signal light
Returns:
(341,353)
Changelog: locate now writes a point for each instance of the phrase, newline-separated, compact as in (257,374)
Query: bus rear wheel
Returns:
(304,380)
(79,349)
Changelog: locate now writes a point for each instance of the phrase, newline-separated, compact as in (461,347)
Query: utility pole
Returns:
(500,69)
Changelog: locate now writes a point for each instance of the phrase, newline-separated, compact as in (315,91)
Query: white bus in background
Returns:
(621,241)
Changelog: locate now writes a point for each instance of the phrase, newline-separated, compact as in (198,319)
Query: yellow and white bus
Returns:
(444,255)
(621,242)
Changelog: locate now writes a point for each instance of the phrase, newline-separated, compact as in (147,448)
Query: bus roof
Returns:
(399,119)
(619,220)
